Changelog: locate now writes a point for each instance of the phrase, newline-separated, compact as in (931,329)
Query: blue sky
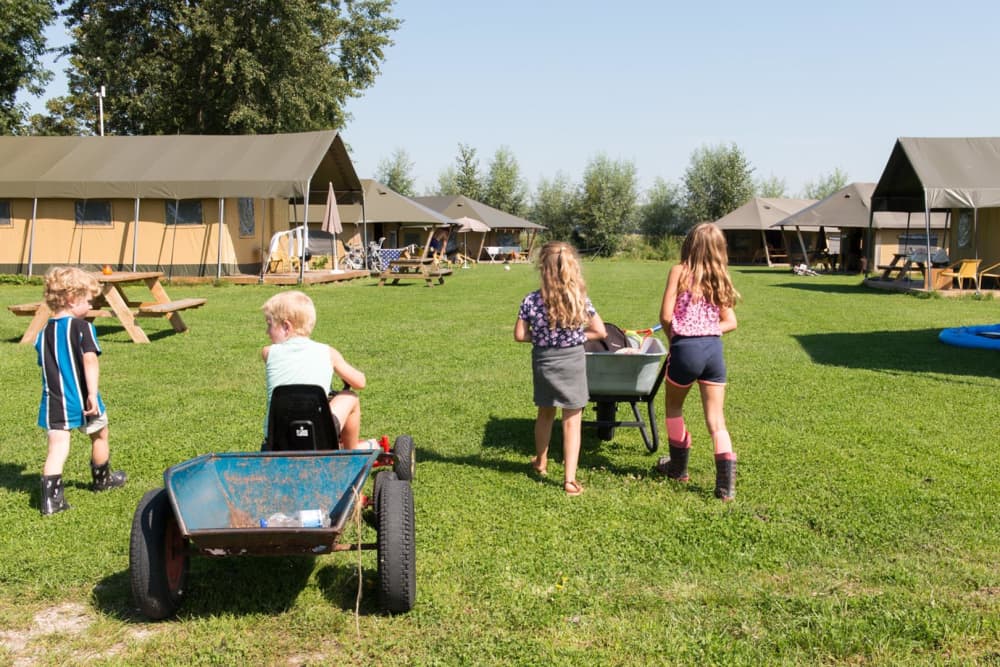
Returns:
(801,88)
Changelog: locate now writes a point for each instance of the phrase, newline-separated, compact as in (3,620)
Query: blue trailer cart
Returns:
(219,505)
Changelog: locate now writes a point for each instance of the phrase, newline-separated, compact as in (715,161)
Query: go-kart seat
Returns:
(300,419)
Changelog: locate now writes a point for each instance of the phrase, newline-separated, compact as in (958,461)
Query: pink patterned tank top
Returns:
(695,318)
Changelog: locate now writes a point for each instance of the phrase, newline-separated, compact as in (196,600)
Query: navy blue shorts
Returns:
(696,359)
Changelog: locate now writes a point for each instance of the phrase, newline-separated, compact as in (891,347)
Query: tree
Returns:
(772,187)
(663,212)
(395,172)
(224,67)
(717,181)
(22,44)
(467,179)
(554,207)
(606,204)
(448,183)
(826,185)
(504,188)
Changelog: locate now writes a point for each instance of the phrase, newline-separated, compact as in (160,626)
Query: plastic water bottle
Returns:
(370,443)
(280,520)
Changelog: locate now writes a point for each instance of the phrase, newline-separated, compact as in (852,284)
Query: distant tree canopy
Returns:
(468,181)
(826,185)
(396,173)
(503,187)
(772,187)
(554,207)
(663,212)
(222,67)
(22,44)
(606,204)
(718,180)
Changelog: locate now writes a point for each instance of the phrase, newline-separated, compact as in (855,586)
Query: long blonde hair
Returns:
(704,260)
(563,288)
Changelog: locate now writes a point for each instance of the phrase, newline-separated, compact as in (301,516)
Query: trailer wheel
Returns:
(606,412)
(380,481)
(406,463)
(158,557)
(397,563)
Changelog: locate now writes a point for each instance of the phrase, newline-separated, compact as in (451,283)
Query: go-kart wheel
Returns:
(406,462)
(158,557)
(380,480)
(397,550)
(606,412)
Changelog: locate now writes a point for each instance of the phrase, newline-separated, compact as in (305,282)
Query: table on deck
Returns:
(113,302)
(413,269)
(901,266)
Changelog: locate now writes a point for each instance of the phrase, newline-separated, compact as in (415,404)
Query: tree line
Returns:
(258,66)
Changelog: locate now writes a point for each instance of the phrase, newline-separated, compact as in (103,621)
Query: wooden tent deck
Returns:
(310,278)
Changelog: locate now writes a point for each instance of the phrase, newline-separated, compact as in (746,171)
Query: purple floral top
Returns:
(533,311)
(695,318)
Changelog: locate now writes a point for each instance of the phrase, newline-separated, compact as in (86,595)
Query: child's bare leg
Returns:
(58,452)
(713,398)
(347,409)
(99,450)
(572,419)
(543,433)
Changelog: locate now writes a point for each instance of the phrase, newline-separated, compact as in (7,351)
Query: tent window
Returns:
(916,241)
(184,212)
(247,226)
(411,238)
(93,212)
(5,214)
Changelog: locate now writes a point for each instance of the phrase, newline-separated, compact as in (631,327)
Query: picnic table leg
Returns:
(120,307)
(160,294)
(37,323)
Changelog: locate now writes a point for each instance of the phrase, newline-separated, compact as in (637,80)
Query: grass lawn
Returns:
(864,529)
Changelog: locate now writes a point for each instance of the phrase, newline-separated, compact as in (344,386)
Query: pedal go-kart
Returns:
(219,504)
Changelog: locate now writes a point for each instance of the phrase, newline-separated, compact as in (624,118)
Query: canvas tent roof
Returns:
(176,166)
(761,213)
(849,207)
(940,173)
(458,206)
(388,206)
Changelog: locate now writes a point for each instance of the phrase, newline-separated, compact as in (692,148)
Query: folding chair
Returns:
(300,419)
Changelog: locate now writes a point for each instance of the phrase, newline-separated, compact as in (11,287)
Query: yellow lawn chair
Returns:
(962,270)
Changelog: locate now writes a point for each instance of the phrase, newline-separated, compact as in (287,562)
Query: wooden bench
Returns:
(153,308)
(172,309)
(29,310)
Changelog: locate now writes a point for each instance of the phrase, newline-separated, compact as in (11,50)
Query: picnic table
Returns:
(423,268)
(113,302)
(900,267)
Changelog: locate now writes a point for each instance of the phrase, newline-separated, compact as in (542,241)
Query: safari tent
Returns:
(958,175)
(749,230)
(184,204)
(848,210)
(507,232)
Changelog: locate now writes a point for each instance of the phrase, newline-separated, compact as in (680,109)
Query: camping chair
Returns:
(300,419)
(991,271)
(963,269)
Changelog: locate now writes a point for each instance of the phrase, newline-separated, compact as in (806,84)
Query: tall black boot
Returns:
(105,479)
(52,495)
(676,467)
(725,478)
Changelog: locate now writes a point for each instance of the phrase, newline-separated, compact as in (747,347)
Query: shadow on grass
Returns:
(517,436)
(831,288)
(104,330)
(236,585)
(915,351)
(338,582)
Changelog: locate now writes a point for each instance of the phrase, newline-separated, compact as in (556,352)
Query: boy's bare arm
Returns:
(92,374)
(346,372)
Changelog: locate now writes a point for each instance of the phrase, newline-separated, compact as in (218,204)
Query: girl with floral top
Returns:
(557,320)
(697,309)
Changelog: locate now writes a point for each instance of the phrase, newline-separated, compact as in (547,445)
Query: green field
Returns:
(864,531)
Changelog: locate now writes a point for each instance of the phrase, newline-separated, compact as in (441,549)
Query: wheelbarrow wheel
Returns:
(606,412)
(158,557)
(397,566)
(406,463)
(380,481)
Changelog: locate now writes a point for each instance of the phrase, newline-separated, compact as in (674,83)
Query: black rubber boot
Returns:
(676,467)
(104,479)
(725,479)
(52,495)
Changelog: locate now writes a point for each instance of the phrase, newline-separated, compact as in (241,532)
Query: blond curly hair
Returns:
(66,284)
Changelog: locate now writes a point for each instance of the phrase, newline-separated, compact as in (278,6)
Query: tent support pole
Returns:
(869,253)
(304,237)
(927,243)
(135,232)
(31,241)
(222,217)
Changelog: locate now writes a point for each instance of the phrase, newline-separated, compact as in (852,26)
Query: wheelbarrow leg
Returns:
(640,424)
(654,425)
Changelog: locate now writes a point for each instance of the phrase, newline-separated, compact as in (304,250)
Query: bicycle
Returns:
(355,258)
(376,262)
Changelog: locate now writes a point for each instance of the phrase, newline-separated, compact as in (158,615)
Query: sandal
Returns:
(539,470)
(572,488)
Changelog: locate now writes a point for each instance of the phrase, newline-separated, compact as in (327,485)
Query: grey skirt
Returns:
(560,376)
